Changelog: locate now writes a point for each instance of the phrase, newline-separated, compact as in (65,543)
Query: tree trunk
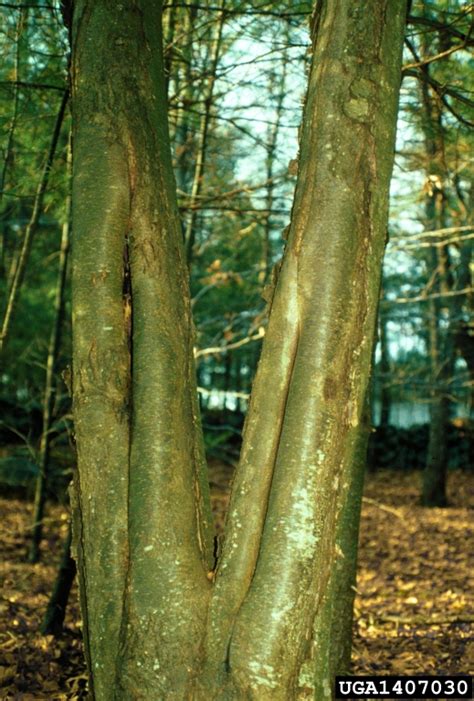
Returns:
(186,91)
(442,369)
(271,147)
(161,622)
(142,515)
(201,152)
(440,343)
(22,259)
(9,149)
(385,399)
(282,533)
(169,26)
(442,366)
(464,326)
(50,388)
(53,620)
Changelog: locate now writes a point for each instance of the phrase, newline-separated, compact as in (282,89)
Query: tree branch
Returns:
(198,353)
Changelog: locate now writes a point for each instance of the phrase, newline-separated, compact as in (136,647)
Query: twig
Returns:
(432,244)
(439,56)
(237,395)
(32,224)
(383,507)
(426,298)
(409,620)
(436,233)
(198,353)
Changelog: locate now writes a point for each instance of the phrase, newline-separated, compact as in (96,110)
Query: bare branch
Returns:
(442,27)
(246,11)
(431,244)
(438,57)
(432,234)
(198,353)
(33,86)
(426,298)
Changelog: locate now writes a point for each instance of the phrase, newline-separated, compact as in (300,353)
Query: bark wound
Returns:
(99,277)
(127,295)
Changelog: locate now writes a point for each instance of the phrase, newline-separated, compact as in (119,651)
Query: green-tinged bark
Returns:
(101,370)
(332,631)
(298,461)
(142,524)
(141,489)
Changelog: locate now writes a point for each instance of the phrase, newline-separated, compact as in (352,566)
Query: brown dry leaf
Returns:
(7,674)
(468,657)
(414,606)
(411,600)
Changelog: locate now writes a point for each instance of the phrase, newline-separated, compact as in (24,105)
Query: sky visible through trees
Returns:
(257,49)
(236,79)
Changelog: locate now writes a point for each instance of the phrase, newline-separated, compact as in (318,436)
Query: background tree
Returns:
(428,270)
(32,212)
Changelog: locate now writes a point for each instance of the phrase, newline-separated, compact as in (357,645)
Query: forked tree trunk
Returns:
(272,622)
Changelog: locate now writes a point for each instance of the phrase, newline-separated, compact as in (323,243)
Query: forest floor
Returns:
(414,608)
